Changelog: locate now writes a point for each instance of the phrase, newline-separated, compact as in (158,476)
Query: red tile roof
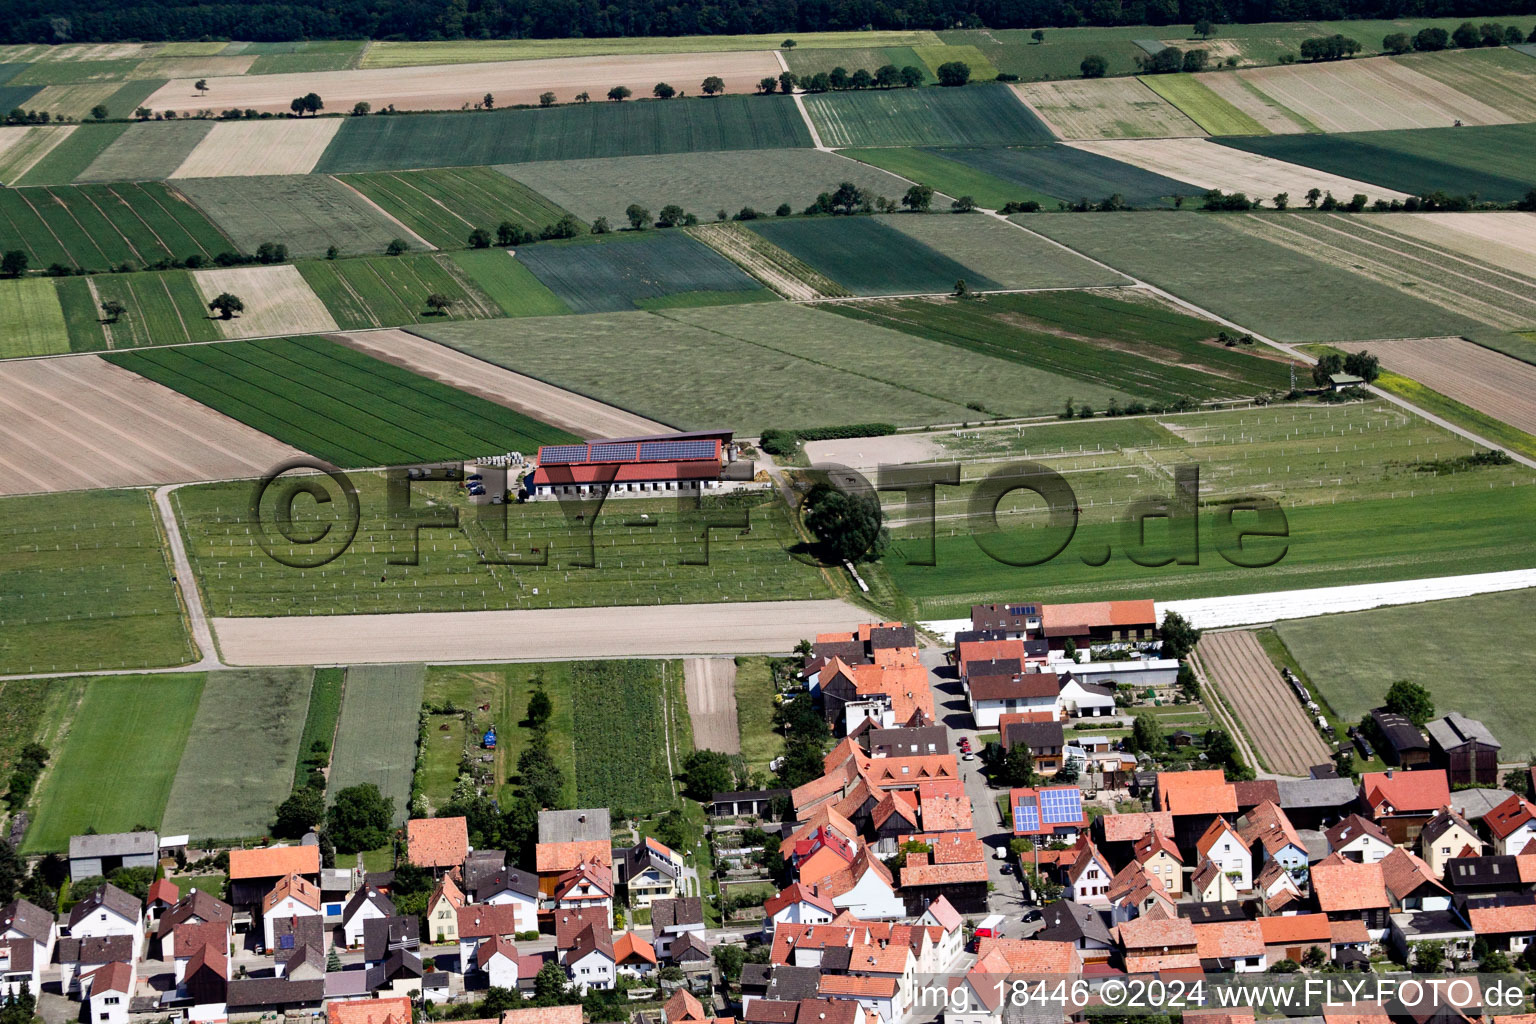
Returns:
(1404,872)
(1222,940)
(1517,919)
(848,986)
(1033,956)
(1509,816)
(437,842)
(1295,930)
(630,947)
(1127,828)
(558,858)
(945,806)
(164,890)
(369,1011)
(484,920)
(273,862)
(1343,885)
(796,893)
(1416,792)
(1195,792)
(1156,933)
(301,889)
(113,977)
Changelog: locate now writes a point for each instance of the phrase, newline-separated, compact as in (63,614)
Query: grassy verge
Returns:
(1431,401)
(320,720)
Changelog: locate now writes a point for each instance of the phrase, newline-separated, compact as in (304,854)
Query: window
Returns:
(112,1000)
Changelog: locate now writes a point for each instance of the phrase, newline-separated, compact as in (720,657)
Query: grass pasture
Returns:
(871,257)
(508,282)
(1388,644)
(147,151)
(386,291)
(1200,104)
(377,735)
(306,212)
(339,404)
(239,757)
(162,308)
(622,274)
(98,227)
(444,206)
(115,771)
(1106,108)
(68,158)
(31,319)
(85,585)
(82,315)
(35,711)
(978,115)
(567,132)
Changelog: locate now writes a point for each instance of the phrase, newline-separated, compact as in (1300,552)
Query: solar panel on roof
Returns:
(556,454)
(611,452)
(1026,818)
(667,451)
(1022,609)
(1061,806)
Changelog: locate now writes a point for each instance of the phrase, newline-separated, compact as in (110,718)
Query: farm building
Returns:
(1465,748)
(1098,622)
(1345,381)
(95,856)
(1403,744)
(661,463)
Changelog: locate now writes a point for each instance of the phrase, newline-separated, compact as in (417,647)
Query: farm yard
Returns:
(978,116)
(654,270)
(98,227)
(246,148)
(306,212)
(338,404)
(1488,381)
(387,291)
(1105,108)
(377,735)
(444,206)
(1266,708)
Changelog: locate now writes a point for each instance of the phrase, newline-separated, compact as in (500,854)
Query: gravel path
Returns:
(1273,719)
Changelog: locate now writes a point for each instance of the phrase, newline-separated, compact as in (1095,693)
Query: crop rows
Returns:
(100,226)
(444,206)
(163,308)
(977,116)
(636,774)
(389,291)
(868,257)
(621,275)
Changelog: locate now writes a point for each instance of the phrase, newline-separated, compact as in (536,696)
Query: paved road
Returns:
(186,584)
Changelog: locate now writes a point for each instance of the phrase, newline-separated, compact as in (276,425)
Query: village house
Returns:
(1160,858)
(1277,888)
(1098,622)
(1222,845)
(796,904)
(26,923)
(291,898)
(1046,742)
(671,919)
(1015,621)
(109,991)
(366,904)
(1506,924)
(107,911)
(196,908)
(1210,883)
(1195,799)
(1448,835)
(945,927)
(253,874)
(437,844)
(1151,945)
(1269,834)
(1133,892)
(1359,839)
(954,870)
(497,960)
(481,923)
(1403,802)
(1231,947)
(443,907)
(996,688)
(1048,814)
(588,884)
(1412,885)
(1082,926)
(78,958)
(1512,825)
(512,887)
(1087,875)
(634,957)
(1347,891)
(650,870)
(1289,938)
(1080,697)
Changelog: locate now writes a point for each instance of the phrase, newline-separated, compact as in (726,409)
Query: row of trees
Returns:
(839,79)
(1467,36)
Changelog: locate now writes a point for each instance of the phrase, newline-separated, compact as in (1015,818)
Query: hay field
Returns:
(791,277)
(72,100)
(1488,381)
(189,68)
(306,212)
(21,148)
(1275,118)
(869,257)
(31,319)
(1500,77)
(1106,108)
(277,301)
(1209,166)
(147,151)
(1009,256)
(386,54)
(243,148)
(465,85)
(82,422)
(1368,95)
(388,291)
(443,206)
(1506,240)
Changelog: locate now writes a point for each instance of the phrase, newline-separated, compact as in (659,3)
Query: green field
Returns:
(1136,348)
(386,291)
(308,55)
(1071,174)
(339,404)
(613,276)
(1202,106)
(163,308)
(15,97)
(635,564)
(115,769)
(25,146)
(704,183)
(147,151)
(1001,252)
(760,743)
(99,227)
(444,206)
(66,72)
(949,177)
(306,212)
(463,51)
(806,61)
(240,755)
(82,317)
(35,711)
(376,738)
(704,368)
(869,257)
(508,282)
(1264,286)
(128,98)
(1495,162)
(85,585)
(69,159)
(1388,644)
(936,56)
(571,132)
(977,115)
(320,720)
(31,320)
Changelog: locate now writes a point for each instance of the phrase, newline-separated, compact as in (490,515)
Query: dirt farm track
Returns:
(1270,715)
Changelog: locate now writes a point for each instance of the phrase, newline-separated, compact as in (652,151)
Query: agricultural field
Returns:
(308,55)
(1246,98)
(338,404)
(118,760)
(949,177)
(635,775)
(1494,163)
(377,736)
(787,275)
(488,563)
(702,363)
(1368,95)
(77,101)
(1206,166)
(1263,703)
(1501,78)
(386,291)
(507,282)
(239,757)
(1488,381)
(701,182)
(1106,108)
(320,718)
(162,308)
(1071,173)
(306,212)
(82,314)
(638,270)
(463,86)
(99,227)
(1213,261)
(385,54)
(1388,644)
(22,148)
(1212,112)
(148,151)
(869,257)
(979,115)
(107,603)
(82,422)
(68,158)
(35,711)
(277,301)
(187,68)
(31,319)
(444,206)
(15,96)
(1010,257)
(246,148)
(806,61)
(568,132)
(1506,240)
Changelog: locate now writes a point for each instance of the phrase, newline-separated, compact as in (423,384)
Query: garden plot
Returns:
(1506,240)
(1488,381)
(277,301)
(81,422)
(22,148)
(1266,707)
(306,212)
(1106,108)
(244,148)
(1368,95)
(1209,166)
(465,85)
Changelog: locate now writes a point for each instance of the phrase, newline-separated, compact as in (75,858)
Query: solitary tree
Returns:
(918,198)
(954,72)
(1038,35)
(663,91)
(396,247)
(1147,736)
(1204,29)
(438,303)
(13,263)
(114,310)
(143,113)
(489,103)
(1313,195)
(1410,700)
(713,85)
(788,44)
(583,97)
(965,204)
(201,85)
(361,107)
(639,216)
(767,84)
(1281,200)
(600,226)
(546,99)
(619,93)
(99,112)
(227,305)
(1094,66)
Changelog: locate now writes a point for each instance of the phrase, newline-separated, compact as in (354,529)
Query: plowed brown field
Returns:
(1272,718)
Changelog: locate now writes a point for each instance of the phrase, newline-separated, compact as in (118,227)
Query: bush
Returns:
(1027,206)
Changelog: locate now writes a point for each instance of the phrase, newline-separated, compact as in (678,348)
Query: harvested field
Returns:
(378,731)
(1501,78)
(1488,381)
(31,319)
(509,284)
(189,67)
(1212,112)
(1106,108)
(1368,95)
(570,132)
(74,101)
(1273,117)
(710,687)
(625,273)
(1506,240)
(1207,166)
(99,227)
(791,277)
(244,148)
(277,300)
(701,182)
(567,410)
(1070,173)
(71,154)
(978,115)
(1266,708)
(465,85)
(387,291)
(1001,252)
(444,206)
(461,51)
(22,148)
(870,257)
(148,151)
(306,212)
(80,422)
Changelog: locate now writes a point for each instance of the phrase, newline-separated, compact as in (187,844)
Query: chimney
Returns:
(1389,773)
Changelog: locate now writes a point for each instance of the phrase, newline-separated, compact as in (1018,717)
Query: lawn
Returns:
(977,115)
(239,759)
(508,282)
(320,719)
(306,212)
(31,319)
(570,132)
(66,161)
(760,742)
(150,150)
(444,206)
(161,308)
(387,291)
(98,597)
(1012,258)
(608,277)
(115,769)
(868,257)
(339,404)
(99,227)
(484,563)
(376,739)
(1388,644)
(1202,106)
(461,51)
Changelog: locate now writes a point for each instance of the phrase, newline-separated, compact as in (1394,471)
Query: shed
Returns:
(95,856)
